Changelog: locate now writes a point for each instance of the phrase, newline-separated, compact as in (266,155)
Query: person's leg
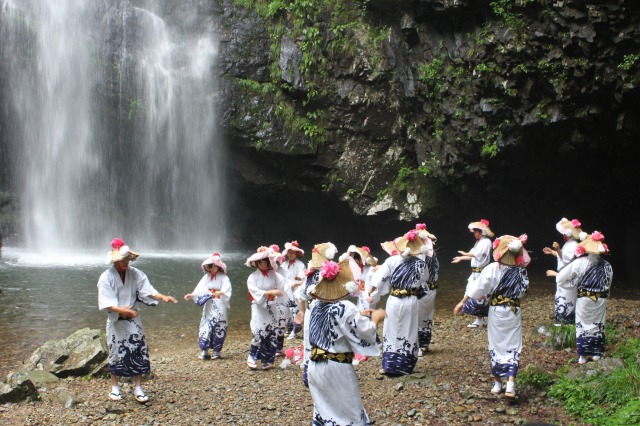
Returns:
(115,388)
(497,385)
(138,392)
(511,387)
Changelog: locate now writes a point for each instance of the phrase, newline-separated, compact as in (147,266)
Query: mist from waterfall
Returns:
(113,124)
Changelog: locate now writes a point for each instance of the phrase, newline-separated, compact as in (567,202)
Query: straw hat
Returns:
(424,234)
(321,253)
(292,246)
(264,253)
(570,228)
(120,251)
(214,260)
(592,244)
(336,282)
(482,225)
(364,252)
(510,251)
(410,244)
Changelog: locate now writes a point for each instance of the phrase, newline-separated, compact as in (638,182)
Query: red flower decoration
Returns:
(295,244)
(421,226)
(485,222)
(576,223)
(116,243)
(496,243)
(275,248)
(216,254)
(261,249)
(412,235)
(597,236)
(367,249)
(394,252)
(329,270)
(579,251)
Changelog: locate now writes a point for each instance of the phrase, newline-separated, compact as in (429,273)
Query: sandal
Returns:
(252,365)
(141,398)
(267,366)
(115,396)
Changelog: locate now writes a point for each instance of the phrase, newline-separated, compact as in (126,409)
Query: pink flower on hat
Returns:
(485,222)
(579,251)
(261,249)
(523,238)
(330,270)
(412,235)
(367,249)
(576,223)
(421,226)
(496,243)
(394,252)
(275,248)
(117,243)
(597,236)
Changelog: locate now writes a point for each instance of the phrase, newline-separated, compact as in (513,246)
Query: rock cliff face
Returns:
(357,114)
(406,110)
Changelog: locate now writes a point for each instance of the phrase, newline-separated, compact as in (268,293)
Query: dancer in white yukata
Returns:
(293,269)
(362,264)
(264,285)
(337,329)
(402,276)
(427,297)
(503,283)
(281,306)
(592,275)
(480,256)
(320,254)
(212,293)
(119,289)
(565,300)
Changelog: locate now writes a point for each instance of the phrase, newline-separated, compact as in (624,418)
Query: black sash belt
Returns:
(593,295)
(320,355)
(500,300)
(403,293)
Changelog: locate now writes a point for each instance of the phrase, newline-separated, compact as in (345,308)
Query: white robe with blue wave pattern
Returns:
(214,323)
(482,256)
(400,330)
(128,351)
(265,320)
(504,327)
(565,300)
(427,304)
(590,314)
(302,296)
(338,327)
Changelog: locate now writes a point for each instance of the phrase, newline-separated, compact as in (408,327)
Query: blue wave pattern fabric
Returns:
(593,290)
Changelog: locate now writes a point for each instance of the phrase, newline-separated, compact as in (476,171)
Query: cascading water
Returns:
(112,114)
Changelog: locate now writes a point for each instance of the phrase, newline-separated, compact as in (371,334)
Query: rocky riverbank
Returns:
(449,386)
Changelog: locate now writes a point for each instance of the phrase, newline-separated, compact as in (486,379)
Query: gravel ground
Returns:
(450,384)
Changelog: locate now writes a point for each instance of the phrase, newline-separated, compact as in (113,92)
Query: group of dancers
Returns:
(334,301)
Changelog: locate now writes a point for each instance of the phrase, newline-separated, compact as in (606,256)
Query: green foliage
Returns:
(628,351)
(535,380)
(504,10)
(381,194)
(600,398)
(629,62)
(562,337)
(432,75)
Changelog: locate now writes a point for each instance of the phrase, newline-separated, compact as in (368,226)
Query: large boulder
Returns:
(17,387)
(84,352)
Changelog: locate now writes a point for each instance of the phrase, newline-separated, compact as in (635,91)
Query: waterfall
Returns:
(112,112)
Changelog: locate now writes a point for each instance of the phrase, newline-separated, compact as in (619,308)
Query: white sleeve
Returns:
(486,282)
(107,296)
